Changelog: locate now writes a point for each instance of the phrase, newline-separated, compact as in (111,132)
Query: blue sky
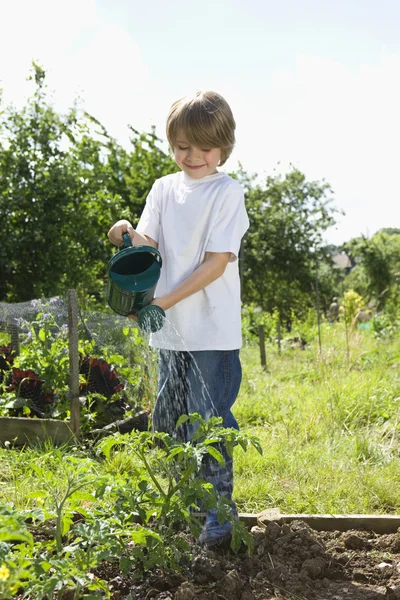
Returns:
(314,84)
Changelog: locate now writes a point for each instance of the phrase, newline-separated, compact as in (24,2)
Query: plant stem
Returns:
(141,455)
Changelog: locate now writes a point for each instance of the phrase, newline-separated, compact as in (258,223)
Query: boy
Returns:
(197,218)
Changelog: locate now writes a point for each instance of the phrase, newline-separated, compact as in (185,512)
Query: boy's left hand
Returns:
(157,301)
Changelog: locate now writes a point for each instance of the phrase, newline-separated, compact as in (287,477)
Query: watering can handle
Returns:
(126,238)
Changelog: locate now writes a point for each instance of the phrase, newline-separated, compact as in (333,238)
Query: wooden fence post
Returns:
(278,326)
(73,361)
(261,338)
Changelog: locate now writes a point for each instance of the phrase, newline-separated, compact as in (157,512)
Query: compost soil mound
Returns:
(289,562)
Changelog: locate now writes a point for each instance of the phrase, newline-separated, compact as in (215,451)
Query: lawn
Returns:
(328,423)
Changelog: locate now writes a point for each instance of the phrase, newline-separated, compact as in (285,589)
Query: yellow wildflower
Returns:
(4,573)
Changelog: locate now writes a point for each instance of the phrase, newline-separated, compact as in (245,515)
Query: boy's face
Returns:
(195,162)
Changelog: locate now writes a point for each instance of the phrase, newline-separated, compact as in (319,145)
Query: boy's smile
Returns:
(195,162)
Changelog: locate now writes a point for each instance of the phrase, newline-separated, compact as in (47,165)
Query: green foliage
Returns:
(288,216)
(83,518)
(307,327)
(44,364)
(310,410)
(16,543)
(63,182)
(252,317)
(377,274)
(385,325)
(351,306)
(172,494)
(45,351)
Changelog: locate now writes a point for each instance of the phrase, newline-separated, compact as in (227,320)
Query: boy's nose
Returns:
(195,154)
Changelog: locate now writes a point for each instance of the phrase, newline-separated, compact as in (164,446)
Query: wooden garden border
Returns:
(19,431)
(378,523)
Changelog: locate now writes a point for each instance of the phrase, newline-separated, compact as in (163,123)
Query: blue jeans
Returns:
(206,382)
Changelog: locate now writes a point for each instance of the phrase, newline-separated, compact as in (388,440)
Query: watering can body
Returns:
(133,273)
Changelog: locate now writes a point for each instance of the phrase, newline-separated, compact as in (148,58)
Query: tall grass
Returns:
(328,423)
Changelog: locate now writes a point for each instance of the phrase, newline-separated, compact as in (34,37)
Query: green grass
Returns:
(329,425)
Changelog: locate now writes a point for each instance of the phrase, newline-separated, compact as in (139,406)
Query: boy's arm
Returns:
(124,226)
(213,267)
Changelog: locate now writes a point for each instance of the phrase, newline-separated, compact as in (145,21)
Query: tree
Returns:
(377,272)
(390,230)
(283,247)
(63,182)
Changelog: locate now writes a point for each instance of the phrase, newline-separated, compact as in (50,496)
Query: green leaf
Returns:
(105,446)
(66,524)
(256,445)
(216,454)
(17,403)
(16,536)
(182,419)
(125,564)
(143,485)
(174,452)
(182,544)
(211,441)
(140,535)
(36,494)
(241,534)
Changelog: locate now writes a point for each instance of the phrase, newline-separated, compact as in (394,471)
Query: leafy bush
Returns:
(252,317)
(384,325)
(351,306)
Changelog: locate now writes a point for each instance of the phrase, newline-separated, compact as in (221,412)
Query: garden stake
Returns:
(261,338)
(73,361)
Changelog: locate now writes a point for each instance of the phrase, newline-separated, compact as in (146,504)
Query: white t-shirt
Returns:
(189,217)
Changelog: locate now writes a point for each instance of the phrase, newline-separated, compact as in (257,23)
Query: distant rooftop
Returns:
(341,261)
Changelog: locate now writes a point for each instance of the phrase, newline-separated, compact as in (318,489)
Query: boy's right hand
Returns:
(118,229)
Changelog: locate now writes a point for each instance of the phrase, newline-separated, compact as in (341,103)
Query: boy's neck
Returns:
(199,179)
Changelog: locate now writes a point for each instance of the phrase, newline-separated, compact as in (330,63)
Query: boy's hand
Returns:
(124,226)
(116,231)
(161,303)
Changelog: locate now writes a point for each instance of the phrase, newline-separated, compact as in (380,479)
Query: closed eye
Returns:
(183,148)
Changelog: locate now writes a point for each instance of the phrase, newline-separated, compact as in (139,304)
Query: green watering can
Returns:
(133,273)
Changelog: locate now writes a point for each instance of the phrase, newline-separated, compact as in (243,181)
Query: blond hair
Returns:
(206,120)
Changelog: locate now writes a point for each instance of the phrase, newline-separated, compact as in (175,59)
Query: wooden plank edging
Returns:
(19,431)
(331,522)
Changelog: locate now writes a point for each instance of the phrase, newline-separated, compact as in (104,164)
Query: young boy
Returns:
(197,218)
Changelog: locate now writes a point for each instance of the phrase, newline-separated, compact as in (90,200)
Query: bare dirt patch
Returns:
(289,562)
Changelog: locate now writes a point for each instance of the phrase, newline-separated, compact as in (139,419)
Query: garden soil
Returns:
(290,561)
